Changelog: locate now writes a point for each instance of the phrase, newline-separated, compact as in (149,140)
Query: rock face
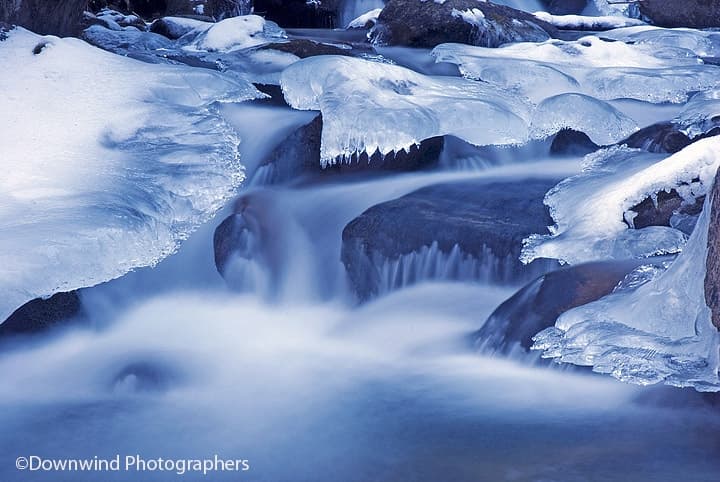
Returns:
(427,23)
(688,13)
(60,17)
(41,314)
(470,230)
(538,305)
(299,13)
(712,274)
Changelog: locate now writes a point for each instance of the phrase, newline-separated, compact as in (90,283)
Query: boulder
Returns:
(538,305)
(663,137)
(306,48)
(42,314)
(661,210)
(174,27)
(688,13)
(425,23)
(468,230)
(712,273)
(569,142)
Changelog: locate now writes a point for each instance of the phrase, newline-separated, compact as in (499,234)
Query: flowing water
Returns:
(293,375)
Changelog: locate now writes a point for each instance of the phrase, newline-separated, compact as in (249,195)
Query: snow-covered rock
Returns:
(585,22)
(109,163)
(235,33)
(427,23)
(175,27)
(366,20)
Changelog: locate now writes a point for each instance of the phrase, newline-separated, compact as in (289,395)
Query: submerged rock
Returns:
(421,23)
(688,13)
(538,305)
(42,314)
(469,230)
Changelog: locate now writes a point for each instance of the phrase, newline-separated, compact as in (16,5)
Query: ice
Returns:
(109,163)
(703,43)
(602,123)
(370,106)
(590,209)
(235,33)
(585,22)
(701,114)
(607,70)
(659,332)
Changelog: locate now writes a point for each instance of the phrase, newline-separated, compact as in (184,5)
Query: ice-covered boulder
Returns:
(234,34)
(376,107)
(470,231)
(175,27)
(688,13)
(427,23)
(366,20)
(585,22)
(592,214)
(110,163)
(535,307)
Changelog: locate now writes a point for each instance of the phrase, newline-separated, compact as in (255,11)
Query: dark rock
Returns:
(538,305)
(688,13)
(426,24)
(570,142)
(221,9)
(306,48)
(660,211)
(486,221)
(564,7)
(712,273)
(299,13)
(61,17)
(42,314)
(661,137)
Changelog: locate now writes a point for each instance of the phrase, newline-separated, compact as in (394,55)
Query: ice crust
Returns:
(109,163)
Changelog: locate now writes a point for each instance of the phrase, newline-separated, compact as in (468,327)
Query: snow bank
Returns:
(366,18)
(109,163)
(590,209)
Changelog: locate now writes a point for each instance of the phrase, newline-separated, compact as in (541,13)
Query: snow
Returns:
(660,332)
(179,26)
(370,106)
(235,33)
(589,209)
(584,22)
(109,162)
(364,19)
(606,70)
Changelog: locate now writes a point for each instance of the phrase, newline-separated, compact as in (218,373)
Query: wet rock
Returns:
(569,142)
(538,305)
(688,13)
(306,48)
(299,13)
(469,230)
(663,137)
(62,18)
(416,23)
(42,314)
(712,273)
(660,212)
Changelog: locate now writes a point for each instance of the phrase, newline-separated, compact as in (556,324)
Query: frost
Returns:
(109,163)
(370,106)
(589,209)
(602,69)
(660,332)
